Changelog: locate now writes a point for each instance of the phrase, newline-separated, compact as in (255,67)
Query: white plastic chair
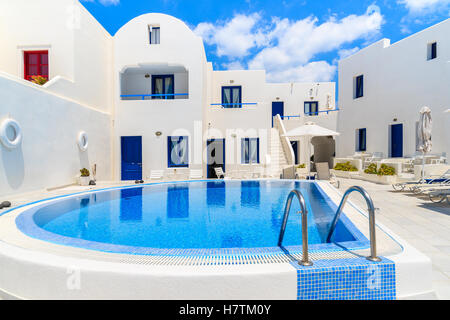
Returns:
(219,172)
(376,156)
(156,174)
(195,174)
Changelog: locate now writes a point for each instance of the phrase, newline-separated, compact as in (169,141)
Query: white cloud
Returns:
(105,2)
(233,38)
(234,65)
(286,48)
(310,72)
(109,2)
(422,12)
(344,53)
(421,7)
(296,43)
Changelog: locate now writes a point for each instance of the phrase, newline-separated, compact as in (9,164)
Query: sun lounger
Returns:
(418,189)
(427,181)
(438,196)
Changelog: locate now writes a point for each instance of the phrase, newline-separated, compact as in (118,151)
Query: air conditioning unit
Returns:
(329,102)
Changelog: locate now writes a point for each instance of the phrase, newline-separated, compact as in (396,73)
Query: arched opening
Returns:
(154,82)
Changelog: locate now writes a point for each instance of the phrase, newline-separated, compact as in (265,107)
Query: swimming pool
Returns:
(243,216)
(199,240)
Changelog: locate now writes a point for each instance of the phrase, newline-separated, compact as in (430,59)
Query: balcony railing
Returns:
(234,105)
(153,96)
(308,114)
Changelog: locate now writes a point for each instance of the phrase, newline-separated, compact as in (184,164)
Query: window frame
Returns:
(150,31)
(26,64)
(359,93)
(225,105)
(163,77)
(170,140)
(310,113)
(432,50)
(361,138)
(247,141)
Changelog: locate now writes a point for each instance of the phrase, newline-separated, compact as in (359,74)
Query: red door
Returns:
(36,64)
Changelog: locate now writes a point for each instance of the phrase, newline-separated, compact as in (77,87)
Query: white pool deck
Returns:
(424,225)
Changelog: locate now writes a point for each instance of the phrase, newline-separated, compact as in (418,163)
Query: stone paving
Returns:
(423,224)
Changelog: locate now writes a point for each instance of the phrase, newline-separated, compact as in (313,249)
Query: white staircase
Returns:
(277,157)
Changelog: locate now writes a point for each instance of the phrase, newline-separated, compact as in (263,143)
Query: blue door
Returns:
(397,140)
(131,149)
(277,108)
(215,149)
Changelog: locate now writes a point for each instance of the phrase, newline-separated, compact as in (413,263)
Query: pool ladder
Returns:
(370,207)
(305,256)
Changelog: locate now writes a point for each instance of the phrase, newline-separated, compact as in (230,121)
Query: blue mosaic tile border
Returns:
(346,279)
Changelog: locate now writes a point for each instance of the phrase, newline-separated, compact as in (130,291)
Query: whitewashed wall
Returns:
(256,120)
(80,49)
(49,155)
(179,46)
(398,82)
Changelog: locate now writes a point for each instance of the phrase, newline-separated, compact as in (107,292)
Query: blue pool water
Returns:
(188,215)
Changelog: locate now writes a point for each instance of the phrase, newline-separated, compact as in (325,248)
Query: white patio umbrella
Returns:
(424,134)
(310,130)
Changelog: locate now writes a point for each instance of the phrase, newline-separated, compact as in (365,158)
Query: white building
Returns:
(146,97)
(383,87)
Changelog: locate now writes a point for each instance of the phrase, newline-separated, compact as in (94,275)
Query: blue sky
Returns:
(293,40)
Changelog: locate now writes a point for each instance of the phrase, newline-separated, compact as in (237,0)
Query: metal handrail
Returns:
(371,208)
(234,105)
(305,259)
(143,96)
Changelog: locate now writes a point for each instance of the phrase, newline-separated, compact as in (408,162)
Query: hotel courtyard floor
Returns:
(423,224)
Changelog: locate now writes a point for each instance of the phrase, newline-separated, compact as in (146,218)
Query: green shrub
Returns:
(85,172)
(301,166)
(372,169)
(345,167)
(386,170)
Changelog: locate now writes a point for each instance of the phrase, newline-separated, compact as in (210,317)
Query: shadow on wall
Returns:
(13,166)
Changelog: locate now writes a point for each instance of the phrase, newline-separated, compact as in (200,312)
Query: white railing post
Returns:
(285,143)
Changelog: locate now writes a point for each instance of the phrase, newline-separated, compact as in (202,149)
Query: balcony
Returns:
(154,82)
(233,105)
(310,114)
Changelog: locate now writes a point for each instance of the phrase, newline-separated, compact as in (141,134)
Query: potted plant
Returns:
(384,175)
(40,80)
(345,170)
(85,177)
